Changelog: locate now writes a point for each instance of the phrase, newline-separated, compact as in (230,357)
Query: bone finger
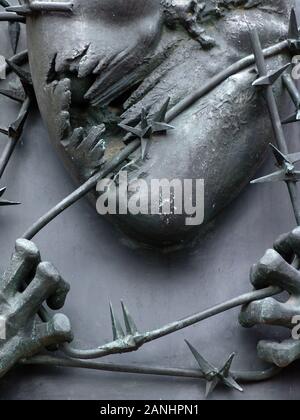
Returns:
(268,312)
(56,331)
(58,299)
(42,287)
(288,244)
(273,270)
(23,262)
(280,354)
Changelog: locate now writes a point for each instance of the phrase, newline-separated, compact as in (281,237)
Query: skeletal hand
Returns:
(24,287)
(276,269)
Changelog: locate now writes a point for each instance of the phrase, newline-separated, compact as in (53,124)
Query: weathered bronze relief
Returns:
(167,89)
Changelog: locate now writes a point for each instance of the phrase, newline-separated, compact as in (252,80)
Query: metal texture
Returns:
(142,66)
(279,266)
(213,375)
(130,339)
(21,334)
(6,202)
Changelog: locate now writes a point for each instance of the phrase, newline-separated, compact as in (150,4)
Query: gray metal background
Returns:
(157,288)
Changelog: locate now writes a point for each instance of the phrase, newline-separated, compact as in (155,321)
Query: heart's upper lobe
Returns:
(93,66)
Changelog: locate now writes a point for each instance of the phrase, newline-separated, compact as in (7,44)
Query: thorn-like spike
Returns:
(158,121)
(205,367)
(280,157)
(211,386)
(294,34)
(230,382)
(24,75)
(14,29)
(118,332)
(113,321)
(16,127)
(293,25)
(292,89)
(225,371)
(278,177)
(4,131)
(131,328)
(133,130)
(160,115)
(144,119)
(158,127)
(226,376)
(6,203)
(147,132)
(271,77)
(147,127)
(213,375)
(2,191)
(274,177)
(292,118)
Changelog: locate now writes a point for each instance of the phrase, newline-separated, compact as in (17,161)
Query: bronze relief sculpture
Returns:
(167,89)
(95,86)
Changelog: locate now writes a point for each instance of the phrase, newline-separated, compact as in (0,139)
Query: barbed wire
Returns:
(132,339)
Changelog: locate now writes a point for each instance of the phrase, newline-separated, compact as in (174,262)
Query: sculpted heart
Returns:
(102,64)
